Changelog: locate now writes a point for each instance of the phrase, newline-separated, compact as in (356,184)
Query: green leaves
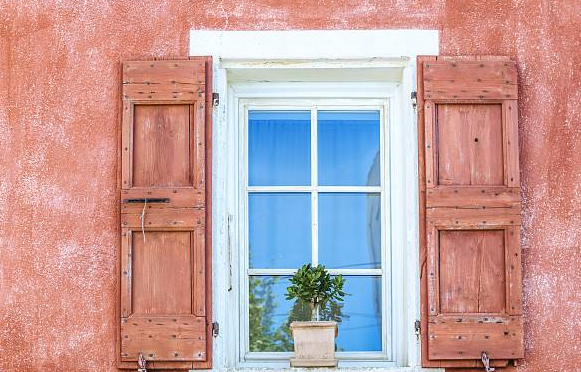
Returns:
(314,285)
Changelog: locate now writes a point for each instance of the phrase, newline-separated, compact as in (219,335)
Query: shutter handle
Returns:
(145,200)
(486,361)
(141,363)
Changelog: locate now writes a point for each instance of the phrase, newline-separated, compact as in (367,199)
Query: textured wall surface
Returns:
(59,105)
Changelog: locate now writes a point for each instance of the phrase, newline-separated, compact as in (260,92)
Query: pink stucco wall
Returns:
(59,104)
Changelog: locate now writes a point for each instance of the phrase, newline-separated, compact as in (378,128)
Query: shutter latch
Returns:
(417,329)
(486,362)
(215,329)
(141,363)
(215,99)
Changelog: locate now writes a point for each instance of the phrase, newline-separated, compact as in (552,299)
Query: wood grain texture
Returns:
(182,81)
(161,146)
(473,197)
(470,211)
(469,144)
(465,337)
(510,118)
(471,264)
(422,236)
(451,79)
(168,219)
(161,273)
(163,338)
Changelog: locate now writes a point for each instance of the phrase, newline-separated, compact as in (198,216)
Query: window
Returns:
(315,191)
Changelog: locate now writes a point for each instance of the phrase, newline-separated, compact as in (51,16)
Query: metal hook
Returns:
(486,361)
(141,363)
(142,217)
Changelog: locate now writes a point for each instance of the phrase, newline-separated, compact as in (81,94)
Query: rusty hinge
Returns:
(215,329)
(414,98)
(417,329)
(215,99)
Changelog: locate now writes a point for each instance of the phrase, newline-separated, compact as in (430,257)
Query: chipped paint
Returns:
(59,116)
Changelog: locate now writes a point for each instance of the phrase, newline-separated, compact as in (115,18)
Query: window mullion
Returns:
(315,194)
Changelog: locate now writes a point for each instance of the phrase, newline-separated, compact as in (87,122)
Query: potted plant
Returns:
(314,340)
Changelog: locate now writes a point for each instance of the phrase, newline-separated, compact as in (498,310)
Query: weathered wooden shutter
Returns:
(469,211)
(165,214)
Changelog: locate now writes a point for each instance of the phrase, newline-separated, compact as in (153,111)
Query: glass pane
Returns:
(279,234)
(360,328)
(348,146)
(270,314)
(279,148)
(350,230)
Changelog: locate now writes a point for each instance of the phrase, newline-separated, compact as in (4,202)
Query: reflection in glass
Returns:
(348,148)
(350,230)
(279,144)
(279,234)
(270,314)
(360,329)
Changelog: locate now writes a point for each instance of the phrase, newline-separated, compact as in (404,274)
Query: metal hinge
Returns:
(417,329)
(215,99)
(414,98)
(215,329)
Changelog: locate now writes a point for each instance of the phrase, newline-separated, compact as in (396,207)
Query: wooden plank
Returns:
(197,145)
(514,271)
(155,93)
(176,72)
(208,230)
(485,80)
(199,272)
(430,144)
(454,337)
(126,269)
(422,237)
(474,218)
(126,144)
(178,197)
(161,146)
(174,219)
(478,197)
(499,72)
(471,271)
(161,273)
(469,148)
(510,110)
(163,338)
(433,273)
(478,91)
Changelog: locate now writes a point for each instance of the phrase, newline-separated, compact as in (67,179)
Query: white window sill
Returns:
(346,369)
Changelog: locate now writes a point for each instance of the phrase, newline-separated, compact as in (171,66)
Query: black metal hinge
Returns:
(417,328)
(414,98)
(215,329)
(215,99)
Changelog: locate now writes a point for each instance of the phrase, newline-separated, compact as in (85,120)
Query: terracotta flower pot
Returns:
(314,344)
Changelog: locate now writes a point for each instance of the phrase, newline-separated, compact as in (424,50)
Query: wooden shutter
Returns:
(165,215)
(469,211)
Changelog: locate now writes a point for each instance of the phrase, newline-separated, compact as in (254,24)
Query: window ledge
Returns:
(346,369)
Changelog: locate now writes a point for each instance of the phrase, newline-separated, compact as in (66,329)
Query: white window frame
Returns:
(243,59)
(304,100)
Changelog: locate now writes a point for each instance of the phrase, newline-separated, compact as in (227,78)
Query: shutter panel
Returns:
(469,211)
(165,215)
